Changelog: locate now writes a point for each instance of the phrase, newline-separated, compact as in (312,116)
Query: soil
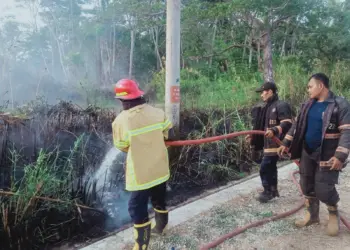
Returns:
(280,234)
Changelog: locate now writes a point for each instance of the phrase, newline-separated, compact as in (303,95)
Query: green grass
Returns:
(235,89)
(199,91)
(43,178)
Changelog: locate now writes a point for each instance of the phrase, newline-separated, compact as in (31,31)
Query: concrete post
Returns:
(172,81)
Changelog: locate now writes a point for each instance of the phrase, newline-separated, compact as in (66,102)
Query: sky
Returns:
(8,7)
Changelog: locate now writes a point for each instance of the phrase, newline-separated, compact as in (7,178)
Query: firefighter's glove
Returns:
(269,134)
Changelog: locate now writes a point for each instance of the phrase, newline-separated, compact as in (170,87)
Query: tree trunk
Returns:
(107,59)
(182,54)
(260,67)
(44,59)
(267,61)
(103,71)
(213,42)
(250,51)
(132,45)
(292,50)
(99,62)
(3,71)
(114,45)
(244,49)
(60,52)
(52,57)
(155,37)
(251,48)
(283,49)
(11,89)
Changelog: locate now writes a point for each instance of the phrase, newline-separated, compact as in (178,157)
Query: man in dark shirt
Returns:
(313,135)
(321,139)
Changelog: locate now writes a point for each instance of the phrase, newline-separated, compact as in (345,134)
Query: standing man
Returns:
(140,130)
(321,139)
(274,117)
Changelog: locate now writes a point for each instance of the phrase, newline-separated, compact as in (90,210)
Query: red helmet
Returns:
(127,89)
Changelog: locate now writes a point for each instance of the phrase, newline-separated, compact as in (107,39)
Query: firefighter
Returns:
(140,130)
(321,139)
(274,117)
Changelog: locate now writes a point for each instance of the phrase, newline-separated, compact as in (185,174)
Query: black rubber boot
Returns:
(266,195)
(161,218)
(274,191)
(142,235)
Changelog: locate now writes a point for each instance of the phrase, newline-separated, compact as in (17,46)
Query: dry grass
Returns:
(223,219)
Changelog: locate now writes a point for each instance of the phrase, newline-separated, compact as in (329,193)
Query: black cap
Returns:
(267,86)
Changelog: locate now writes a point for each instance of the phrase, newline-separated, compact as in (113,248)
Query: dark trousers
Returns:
(268,171)
(318,182)
(138,203)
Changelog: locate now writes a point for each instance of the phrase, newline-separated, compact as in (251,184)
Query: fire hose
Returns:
(240,230)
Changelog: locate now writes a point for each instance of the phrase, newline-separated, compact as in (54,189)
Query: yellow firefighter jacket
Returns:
(140,131)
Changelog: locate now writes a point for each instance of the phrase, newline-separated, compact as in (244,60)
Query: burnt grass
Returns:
(44,224)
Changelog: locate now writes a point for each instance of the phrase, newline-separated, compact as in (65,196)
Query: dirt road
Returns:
(274,235)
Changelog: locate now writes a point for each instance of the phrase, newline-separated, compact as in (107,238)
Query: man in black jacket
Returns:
(274,117)
(321,139)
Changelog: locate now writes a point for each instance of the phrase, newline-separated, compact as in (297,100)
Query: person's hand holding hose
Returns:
(269,133)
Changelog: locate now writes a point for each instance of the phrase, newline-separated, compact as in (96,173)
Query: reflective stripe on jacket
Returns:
(279,120)
(276,115)
(140,131)
(335,130)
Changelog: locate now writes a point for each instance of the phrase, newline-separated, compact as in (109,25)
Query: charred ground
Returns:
(49,151)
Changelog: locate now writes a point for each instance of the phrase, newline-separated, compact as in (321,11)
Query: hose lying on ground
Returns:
(240,230)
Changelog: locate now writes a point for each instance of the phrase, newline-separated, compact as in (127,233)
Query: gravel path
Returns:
(275,235)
